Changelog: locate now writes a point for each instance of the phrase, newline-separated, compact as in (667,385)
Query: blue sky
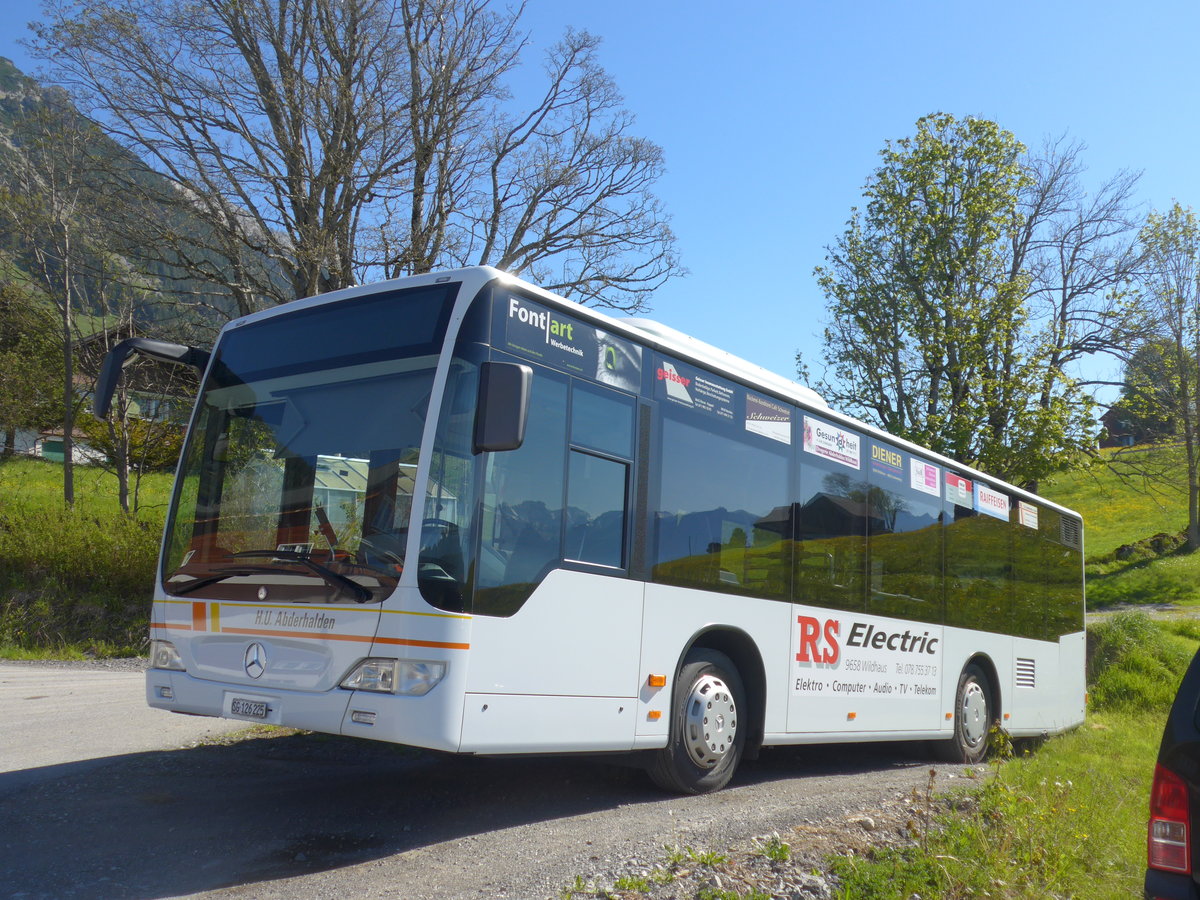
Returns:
(772,114)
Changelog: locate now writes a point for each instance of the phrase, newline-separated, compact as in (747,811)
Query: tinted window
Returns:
(977,556)
(905,535)
(521,535)
(723,517)
(602,420)
(831,515)
(1047,581)
(384,326)
(596,510)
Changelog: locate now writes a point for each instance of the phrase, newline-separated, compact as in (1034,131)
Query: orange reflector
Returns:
(657,681)
(949,716)
(1007,717)
(851,716)
(654,715)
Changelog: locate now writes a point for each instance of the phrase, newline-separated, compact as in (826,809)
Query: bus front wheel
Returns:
(707,730)
(972,718)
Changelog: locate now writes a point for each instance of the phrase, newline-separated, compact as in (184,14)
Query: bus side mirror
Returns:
(503,407)
(118,357)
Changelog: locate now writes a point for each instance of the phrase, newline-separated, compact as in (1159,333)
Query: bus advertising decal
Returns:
(832,443)
(887,462)
(867,657)
(693,388)
(1028,514)
(770,418)
(924,477)
(958,490)
(991,502)
(540,333)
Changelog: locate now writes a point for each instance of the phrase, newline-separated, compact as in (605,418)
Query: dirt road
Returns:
(316,816)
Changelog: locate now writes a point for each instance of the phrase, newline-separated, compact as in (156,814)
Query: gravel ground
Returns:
(124,664)
(275,814)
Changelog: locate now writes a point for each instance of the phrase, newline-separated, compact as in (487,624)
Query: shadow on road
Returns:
(185,821)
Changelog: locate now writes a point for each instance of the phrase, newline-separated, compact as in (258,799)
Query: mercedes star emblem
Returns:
(256,660)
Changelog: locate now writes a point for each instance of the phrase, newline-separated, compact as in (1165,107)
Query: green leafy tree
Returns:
(1169,296)
(31,364)
(960,294)
(1146,408)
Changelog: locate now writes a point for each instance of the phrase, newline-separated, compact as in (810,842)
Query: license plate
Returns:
(249,709)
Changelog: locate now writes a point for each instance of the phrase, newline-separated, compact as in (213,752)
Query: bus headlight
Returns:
(395,676)
(163,655)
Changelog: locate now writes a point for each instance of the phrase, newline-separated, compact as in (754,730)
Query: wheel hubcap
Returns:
(710,721)
(974,714)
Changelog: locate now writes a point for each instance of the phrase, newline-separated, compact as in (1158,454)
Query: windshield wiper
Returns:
(356,590)
(360,593)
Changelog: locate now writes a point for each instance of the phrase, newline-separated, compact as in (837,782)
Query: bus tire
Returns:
(708,731)
(973,716)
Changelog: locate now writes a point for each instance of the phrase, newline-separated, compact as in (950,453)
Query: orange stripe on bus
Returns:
(412,643)
(360,638)
(171,626)
(199,616)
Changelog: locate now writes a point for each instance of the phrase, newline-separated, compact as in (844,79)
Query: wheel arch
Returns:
(995,695)
(743,652)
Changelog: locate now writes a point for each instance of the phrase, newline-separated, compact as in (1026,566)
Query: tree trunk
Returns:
(68,376)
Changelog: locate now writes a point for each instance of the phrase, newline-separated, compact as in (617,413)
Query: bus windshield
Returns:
(297,481)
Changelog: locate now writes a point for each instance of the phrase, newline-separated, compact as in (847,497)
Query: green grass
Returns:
(1120,506)
(37,485)
(75,581)
(1068,820)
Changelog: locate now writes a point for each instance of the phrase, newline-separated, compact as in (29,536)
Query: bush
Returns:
(1135,663)
(73,578)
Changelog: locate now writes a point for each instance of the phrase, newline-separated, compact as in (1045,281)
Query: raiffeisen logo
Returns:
(556,331)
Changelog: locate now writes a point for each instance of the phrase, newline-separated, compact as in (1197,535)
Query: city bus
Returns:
(458,512)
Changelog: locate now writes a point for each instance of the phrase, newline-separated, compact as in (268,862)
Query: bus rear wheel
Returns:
(707,731)
(972,718)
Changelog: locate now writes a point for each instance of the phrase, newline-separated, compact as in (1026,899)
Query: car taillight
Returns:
(1170,820)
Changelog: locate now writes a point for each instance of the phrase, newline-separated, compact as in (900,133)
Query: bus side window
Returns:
(722,517)
(521,535)
(598,475)
(596,509)
(831,535)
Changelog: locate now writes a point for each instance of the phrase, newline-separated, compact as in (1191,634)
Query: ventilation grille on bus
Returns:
(1026,673)
(1071,532)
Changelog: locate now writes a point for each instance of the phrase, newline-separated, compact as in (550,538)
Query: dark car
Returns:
(1173,859)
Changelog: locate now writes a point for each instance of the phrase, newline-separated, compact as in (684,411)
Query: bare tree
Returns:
(1081,253)
(49,209)
(323,141)
(1169,295)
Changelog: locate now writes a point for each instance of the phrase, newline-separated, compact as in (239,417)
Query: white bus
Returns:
(458,512)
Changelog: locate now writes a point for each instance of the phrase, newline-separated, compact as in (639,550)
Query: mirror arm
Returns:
(119,356)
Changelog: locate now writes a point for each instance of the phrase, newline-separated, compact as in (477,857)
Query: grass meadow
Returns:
(1069,819)
(1121,505)
(75,582)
